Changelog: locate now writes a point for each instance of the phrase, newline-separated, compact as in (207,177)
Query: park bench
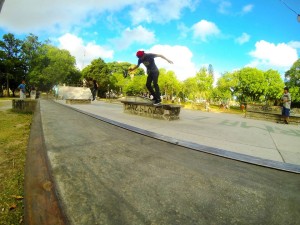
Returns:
(163,111)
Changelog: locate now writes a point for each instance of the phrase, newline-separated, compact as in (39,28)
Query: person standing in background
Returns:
(94,89)
(286,105)
(22,88)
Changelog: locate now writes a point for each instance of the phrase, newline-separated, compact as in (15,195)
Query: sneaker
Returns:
(157,103)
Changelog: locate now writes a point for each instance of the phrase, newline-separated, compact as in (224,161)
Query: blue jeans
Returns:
(153,78)
(285,112)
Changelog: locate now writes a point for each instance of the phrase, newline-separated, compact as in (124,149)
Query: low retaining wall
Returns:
(164,111)
(24,105)
(271,113)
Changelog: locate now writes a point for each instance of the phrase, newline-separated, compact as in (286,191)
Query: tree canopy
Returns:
(52,66)
(44,65)
(292,77)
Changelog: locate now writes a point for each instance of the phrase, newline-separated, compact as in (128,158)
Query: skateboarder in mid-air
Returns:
(148,60)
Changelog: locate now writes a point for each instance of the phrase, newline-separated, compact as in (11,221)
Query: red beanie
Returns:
(139,54)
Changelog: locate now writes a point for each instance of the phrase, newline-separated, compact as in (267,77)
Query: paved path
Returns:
(234,133)
(105,174)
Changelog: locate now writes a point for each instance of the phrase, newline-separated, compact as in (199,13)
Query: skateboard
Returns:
(151,101)
(146,98)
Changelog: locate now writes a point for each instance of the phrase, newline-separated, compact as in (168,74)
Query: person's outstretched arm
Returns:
(161,56)
(133,68)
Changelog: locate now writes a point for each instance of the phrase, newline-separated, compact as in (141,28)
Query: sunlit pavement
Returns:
(111,172)
(231,132)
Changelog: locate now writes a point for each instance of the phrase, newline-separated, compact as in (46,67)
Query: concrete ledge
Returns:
(24,105)
(163,111)
(78,101)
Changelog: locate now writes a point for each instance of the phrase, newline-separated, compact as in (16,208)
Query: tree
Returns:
(119,67)
(274,85)
(52,66)
(211,70)
(30,47)
(190,88)
(251,84)
(168,83)
(12,66)
(292,80)
(226,86)
(99,71)
(136,85)
(204,82)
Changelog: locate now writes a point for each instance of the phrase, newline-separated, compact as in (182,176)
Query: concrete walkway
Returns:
(230,132)
(105,174)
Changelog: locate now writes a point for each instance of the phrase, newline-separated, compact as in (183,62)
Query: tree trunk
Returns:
(7,85)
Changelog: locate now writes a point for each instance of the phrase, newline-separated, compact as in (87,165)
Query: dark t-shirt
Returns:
(148,61)
(95,85)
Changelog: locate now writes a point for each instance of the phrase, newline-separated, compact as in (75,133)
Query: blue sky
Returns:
(229,34)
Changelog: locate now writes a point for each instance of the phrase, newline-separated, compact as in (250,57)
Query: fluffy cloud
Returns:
(84,54)
(294,44)
(137,35)
(159,11)
(204,29)
(243,38)
(247,9)
(224,7)
(20,16)
(181,57)
(271,55)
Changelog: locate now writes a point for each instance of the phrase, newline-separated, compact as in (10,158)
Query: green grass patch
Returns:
(14,135)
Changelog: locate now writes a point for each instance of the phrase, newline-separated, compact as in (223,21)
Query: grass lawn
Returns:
(14,134)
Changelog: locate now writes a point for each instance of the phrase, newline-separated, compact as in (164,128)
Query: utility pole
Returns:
(1,4)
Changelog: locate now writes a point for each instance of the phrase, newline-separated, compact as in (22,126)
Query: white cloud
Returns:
(243,38)
(159,11)
(294,44)
(137,35)
(181,57)
(183,29)
(271,55)
(224,7)
(84,54)
(56,16)
(22,16)
(204,29)
(140,15)
(247,8)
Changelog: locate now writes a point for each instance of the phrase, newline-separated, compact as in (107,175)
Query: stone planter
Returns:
(24,105)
